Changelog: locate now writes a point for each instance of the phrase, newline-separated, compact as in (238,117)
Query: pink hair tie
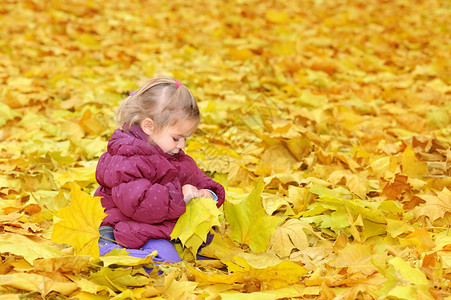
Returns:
(132,93)
(177,83)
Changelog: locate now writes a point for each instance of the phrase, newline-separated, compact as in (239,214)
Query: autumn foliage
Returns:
(328,123)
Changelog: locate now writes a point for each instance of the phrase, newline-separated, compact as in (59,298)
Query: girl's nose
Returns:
(181,144)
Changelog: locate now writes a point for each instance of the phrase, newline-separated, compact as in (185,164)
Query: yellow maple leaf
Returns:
(355,183)
(181,289)
(222,247)
(64,263)
(34,282)
(193,226)
(396,228)
(411,165)
(82,175)
(355,257)
(78,224)
(91,124)
(125,260)
(119,279)
(420,238)
(277,16)
(288,237)
(436,206)
(261,268)
(30,248)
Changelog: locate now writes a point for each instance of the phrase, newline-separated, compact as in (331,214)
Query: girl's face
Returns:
(172,139)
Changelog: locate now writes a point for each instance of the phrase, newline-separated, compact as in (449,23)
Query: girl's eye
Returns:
(175,139)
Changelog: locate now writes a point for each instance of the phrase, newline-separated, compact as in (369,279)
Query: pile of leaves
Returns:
(328,123)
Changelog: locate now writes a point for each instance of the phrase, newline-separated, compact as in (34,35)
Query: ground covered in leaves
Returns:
(328,122)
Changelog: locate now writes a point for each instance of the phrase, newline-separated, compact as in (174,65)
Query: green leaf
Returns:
(338,196)
(404,281)
(339,219)
(249,222)
(438,118)
(6,113)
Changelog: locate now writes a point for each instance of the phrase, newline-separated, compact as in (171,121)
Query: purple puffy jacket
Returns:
(141,187)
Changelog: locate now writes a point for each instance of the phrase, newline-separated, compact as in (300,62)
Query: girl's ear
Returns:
(147,125)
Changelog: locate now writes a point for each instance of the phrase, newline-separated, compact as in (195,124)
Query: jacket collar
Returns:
(137,132)
(140,134)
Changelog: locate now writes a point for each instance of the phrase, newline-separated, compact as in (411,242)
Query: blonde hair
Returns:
(162,99)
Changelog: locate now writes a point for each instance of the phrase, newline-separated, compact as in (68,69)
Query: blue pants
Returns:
(166,249)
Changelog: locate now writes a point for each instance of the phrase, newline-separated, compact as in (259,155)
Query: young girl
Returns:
(145,178)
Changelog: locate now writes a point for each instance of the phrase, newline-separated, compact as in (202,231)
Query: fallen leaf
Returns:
(30,248)
(119,279)
(411,166)
(63,264)
(37,283)
(420,238)
(78,224)
(249,222)
(437,204)
(289,236)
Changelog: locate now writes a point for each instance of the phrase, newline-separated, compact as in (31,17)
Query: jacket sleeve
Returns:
(202,181)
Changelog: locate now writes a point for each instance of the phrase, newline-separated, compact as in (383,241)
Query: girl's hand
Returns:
(205,194)
(189,192)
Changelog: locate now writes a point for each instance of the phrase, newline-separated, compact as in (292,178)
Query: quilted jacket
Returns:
(141,187)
